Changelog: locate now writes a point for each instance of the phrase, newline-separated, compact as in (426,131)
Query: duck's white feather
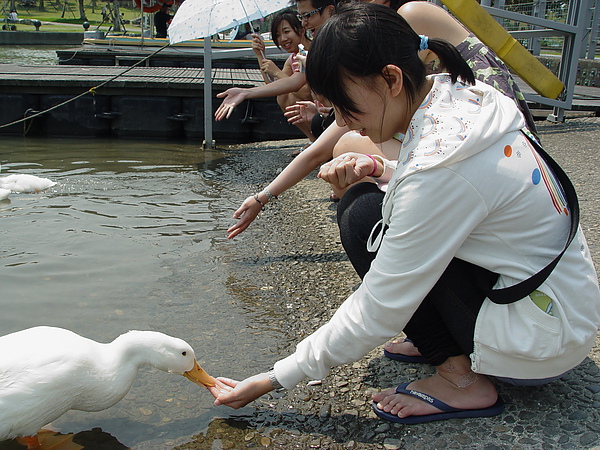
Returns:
(4,193)
(46,371)
(25,183)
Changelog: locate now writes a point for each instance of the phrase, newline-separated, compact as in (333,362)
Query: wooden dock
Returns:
(148,102)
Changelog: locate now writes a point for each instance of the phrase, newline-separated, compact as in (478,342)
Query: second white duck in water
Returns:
(46,371)
(25,183)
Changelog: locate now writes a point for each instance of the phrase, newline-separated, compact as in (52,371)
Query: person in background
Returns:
(288,33)
(313,14)
(244,33)
(162,18)
(462,216)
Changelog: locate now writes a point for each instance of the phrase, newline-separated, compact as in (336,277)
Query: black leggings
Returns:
(444,324)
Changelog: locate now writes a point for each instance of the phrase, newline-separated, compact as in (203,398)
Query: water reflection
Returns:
(133,237)
(90,439)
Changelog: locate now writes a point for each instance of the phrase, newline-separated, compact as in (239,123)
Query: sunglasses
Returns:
(308,15)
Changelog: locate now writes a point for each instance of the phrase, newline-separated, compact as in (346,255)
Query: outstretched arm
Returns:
(307,161)
(235,96)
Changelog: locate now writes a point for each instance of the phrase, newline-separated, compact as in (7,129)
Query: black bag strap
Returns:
(524,288)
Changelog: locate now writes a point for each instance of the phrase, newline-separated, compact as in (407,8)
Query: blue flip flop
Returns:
(448,411)
(405,358)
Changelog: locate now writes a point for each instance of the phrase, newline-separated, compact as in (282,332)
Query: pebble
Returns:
(463,438)
(588,438)
(325,411)
(392,444)
(145,411)
(593,388)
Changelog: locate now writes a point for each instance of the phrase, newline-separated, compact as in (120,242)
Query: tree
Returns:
(81,11)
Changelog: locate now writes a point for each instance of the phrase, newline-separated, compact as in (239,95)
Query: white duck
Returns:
(46,371)
(25,183)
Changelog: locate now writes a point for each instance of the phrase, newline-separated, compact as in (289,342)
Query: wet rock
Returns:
(325,411)
(463,439)
(588,438)
(382,428)
(392,444)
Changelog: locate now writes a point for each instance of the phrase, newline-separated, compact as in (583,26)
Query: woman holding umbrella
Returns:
(288,33)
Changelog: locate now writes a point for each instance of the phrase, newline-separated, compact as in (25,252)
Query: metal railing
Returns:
(571,26)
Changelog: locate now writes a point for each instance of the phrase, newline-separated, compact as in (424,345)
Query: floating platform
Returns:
(137,102)
(127,50)
(138,41)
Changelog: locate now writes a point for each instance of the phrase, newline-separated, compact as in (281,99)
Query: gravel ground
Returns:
(296,254)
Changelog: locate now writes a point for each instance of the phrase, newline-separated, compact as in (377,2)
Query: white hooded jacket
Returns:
(468,185)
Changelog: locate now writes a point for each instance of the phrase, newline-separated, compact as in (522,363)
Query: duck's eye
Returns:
(184,353)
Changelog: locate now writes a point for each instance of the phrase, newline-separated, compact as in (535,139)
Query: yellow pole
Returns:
(533,72)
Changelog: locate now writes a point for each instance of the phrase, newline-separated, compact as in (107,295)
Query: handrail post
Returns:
(208,135)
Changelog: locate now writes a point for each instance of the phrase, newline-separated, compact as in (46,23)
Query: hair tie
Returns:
(424,42)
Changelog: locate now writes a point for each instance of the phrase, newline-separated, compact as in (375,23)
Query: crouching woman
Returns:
(471,208)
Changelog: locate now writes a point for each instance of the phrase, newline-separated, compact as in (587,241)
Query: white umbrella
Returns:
(201,19)
(196,19)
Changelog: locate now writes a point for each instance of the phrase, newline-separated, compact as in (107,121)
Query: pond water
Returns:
(133,237)
(30,54)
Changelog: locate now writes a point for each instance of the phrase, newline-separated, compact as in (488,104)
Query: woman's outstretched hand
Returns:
(346,169)
(219,388)
(303,111)
(240,393)
(246,214)
(233,97)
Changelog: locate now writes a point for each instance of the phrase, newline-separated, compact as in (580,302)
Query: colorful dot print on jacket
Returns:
(543,174)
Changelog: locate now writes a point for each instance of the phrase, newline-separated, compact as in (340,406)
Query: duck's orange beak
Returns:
(199,376)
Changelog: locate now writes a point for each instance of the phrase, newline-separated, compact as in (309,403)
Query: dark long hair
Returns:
(360,40)
(292,17)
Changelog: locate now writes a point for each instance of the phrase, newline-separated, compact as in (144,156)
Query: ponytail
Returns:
(452,60)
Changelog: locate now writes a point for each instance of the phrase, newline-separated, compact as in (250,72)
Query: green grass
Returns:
(67,19)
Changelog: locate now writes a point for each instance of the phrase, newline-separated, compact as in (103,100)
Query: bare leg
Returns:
(454,383)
